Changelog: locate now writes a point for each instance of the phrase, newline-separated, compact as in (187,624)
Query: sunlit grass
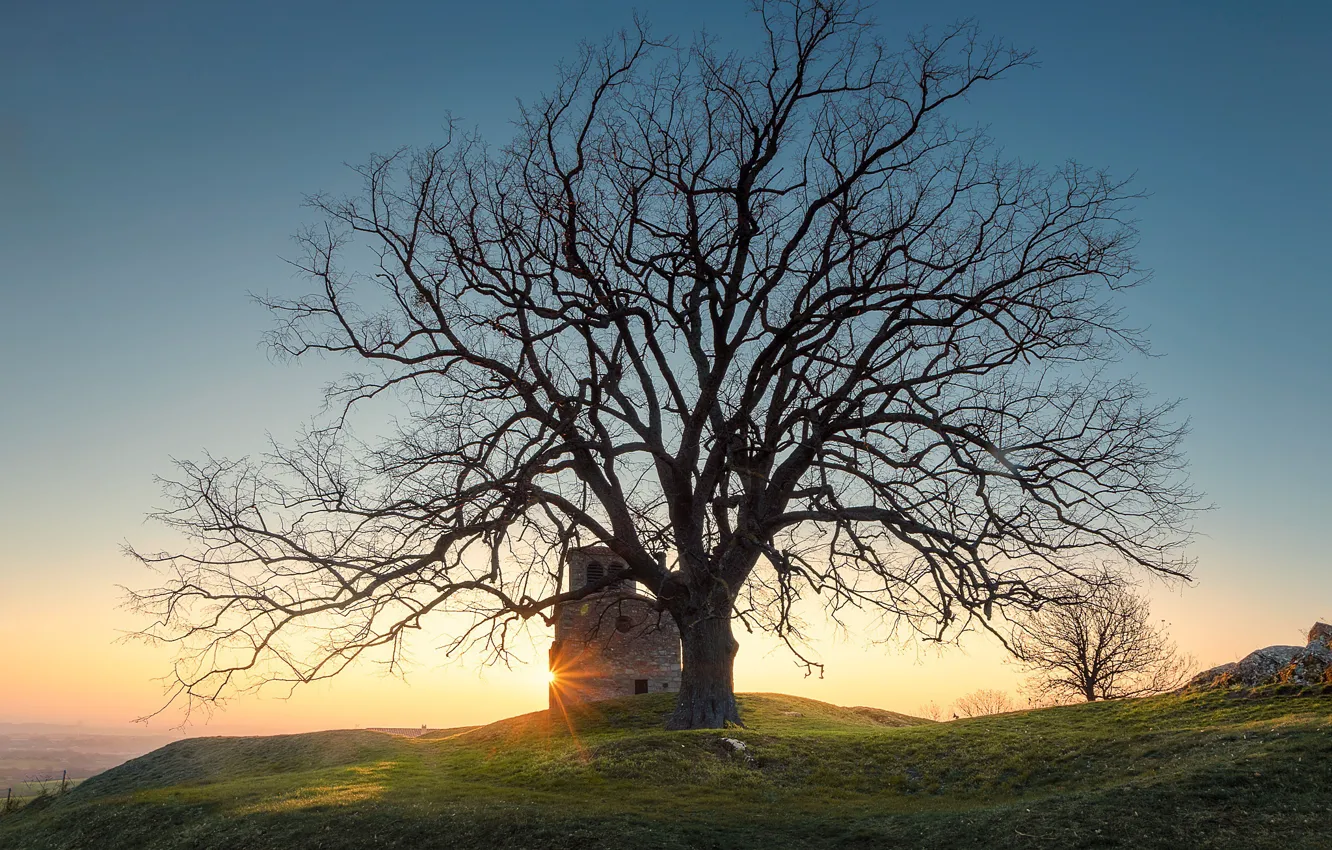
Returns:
(316,796)
(1163,772)
(367,785)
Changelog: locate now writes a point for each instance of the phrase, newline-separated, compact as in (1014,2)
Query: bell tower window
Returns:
(595,573)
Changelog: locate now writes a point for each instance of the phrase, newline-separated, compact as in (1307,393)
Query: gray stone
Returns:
(736,746)
(1312,666)
(1321,633)
(1261,666)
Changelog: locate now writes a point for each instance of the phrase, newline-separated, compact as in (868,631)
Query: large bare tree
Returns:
(769,326)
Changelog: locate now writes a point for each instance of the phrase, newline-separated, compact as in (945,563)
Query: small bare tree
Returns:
(1106,647)
(982,702)
(932,711)
(767,326)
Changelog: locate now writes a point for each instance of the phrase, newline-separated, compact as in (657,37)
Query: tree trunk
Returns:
(707,684)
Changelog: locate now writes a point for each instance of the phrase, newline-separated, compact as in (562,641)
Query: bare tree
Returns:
(982,702)
(767,326)
(1106,647)
(931,711)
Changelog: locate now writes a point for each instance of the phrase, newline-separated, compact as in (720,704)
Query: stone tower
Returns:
(612,643)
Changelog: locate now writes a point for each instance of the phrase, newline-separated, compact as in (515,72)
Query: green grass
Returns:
(447,733)
(1219,769)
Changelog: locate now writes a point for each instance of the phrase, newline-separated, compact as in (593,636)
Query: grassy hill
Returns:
(1220,769)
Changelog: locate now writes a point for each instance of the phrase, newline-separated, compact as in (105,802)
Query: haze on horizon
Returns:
(152,166)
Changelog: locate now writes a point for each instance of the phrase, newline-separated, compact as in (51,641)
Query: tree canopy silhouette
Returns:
(771,327)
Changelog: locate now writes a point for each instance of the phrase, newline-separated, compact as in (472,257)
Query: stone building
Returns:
(612,643)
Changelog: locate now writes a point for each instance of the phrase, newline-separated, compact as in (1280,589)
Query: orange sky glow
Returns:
(66,664)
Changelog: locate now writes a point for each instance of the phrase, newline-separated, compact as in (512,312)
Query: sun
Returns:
(551,677)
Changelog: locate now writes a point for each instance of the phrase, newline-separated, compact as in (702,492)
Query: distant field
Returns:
(1213,770)
(42,751)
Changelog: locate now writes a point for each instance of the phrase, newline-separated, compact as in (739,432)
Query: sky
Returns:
(153,161)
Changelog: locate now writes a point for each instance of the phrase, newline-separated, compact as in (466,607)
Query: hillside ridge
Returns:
(1176,770)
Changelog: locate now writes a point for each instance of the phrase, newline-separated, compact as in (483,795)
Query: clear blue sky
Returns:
(153,157)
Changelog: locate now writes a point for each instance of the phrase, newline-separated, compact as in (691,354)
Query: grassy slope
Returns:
(1208,770)
(447,733)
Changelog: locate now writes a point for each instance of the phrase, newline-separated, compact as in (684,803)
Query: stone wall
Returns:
(612,643)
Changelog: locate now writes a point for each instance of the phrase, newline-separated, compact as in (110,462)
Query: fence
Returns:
(37,787)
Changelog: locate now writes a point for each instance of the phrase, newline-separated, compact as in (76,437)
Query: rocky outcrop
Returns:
(1216,677)
(1296,665)
(1256,668)
(1313,666)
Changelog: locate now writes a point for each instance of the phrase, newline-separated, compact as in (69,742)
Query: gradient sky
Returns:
(153,158)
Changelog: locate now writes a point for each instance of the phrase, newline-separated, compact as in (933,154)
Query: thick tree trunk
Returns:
(707,686)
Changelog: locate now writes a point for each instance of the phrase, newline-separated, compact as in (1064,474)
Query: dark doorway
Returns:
(640,686)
